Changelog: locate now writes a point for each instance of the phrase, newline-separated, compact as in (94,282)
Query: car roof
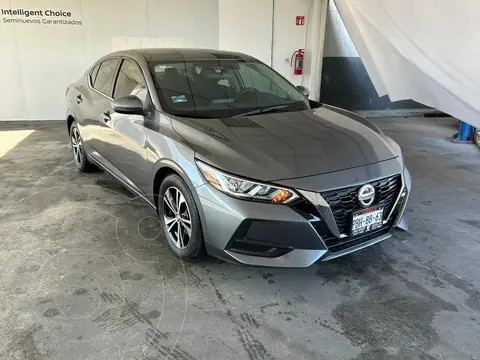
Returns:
(182,54)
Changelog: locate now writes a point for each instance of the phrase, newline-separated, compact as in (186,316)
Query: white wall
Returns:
(288,37)
(37,61)
(246,26)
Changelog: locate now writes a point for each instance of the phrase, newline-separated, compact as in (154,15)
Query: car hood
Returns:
(287,145)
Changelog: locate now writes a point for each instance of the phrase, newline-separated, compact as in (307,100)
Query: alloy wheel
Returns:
(176,217)
(77,146)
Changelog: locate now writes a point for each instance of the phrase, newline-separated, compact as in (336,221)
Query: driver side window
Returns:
(253,78)
(130,81)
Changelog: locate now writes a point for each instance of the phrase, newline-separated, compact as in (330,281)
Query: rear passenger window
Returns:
(93,74)
(104,80)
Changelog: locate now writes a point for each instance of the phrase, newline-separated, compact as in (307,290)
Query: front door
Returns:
(124,137)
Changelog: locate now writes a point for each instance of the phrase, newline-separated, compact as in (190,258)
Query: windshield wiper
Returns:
(192,115)
(263,111)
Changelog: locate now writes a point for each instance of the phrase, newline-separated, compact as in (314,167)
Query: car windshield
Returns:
(223,88)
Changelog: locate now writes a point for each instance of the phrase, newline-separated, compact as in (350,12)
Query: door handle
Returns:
(106,116)
(79,99)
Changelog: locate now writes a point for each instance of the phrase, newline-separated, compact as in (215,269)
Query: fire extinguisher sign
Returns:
(300,20)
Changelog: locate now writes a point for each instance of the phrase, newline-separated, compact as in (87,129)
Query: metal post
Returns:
(464,135)
(272,45)
(464,132)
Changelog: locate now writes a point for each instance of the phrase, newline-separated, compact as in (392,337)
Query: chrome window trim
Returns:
(99,92)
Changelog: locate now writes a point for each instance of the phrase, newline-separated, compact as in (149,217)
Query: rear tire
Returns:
(78,150)
(180,221)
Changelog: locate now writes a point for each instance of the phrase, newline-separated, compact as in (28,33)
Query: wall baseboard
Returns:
(6,125)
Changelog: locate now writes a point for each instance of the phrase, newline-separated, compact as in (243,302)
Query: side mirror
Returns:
(314,104)
(304,90)
(127,105)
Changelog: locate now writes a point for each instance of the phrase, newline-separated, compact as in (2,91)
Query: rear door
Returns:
(79,102)
(101,99)
(124,136)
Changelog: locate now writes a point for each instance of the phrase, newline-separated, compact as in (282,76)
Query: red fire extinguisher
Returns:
(297,61)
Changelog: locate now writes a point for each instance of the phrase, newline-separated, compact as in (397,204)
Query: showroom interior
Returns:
(85,270)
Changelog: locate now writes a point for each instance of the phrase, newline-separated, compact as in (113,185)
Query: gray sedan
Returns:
(237,162)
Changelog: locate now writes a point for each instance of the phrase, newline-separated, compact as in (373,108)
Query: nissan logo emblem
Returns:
(366,195)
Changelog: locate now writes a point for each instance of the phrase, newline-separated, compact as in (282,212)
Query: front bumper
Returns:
(261,234)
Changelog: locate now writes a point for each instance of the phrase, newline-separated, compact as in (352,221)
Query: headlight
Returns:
(246,189)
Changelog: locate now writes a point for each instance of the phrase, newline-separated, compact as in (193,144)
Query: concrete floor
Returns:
(83,276)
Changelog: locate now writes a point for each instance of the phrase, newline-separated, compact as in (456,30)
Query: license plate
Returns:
(367,220)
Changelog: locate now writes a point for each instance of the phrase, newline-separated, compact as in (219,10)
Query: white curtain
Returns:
(424,50)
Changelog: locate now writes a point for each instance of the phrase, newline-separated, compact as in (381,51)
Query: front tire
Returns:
(181,223)
(78,150)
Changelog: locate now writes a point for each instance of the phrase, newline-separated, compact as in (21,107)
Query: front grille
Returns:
(343,202)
